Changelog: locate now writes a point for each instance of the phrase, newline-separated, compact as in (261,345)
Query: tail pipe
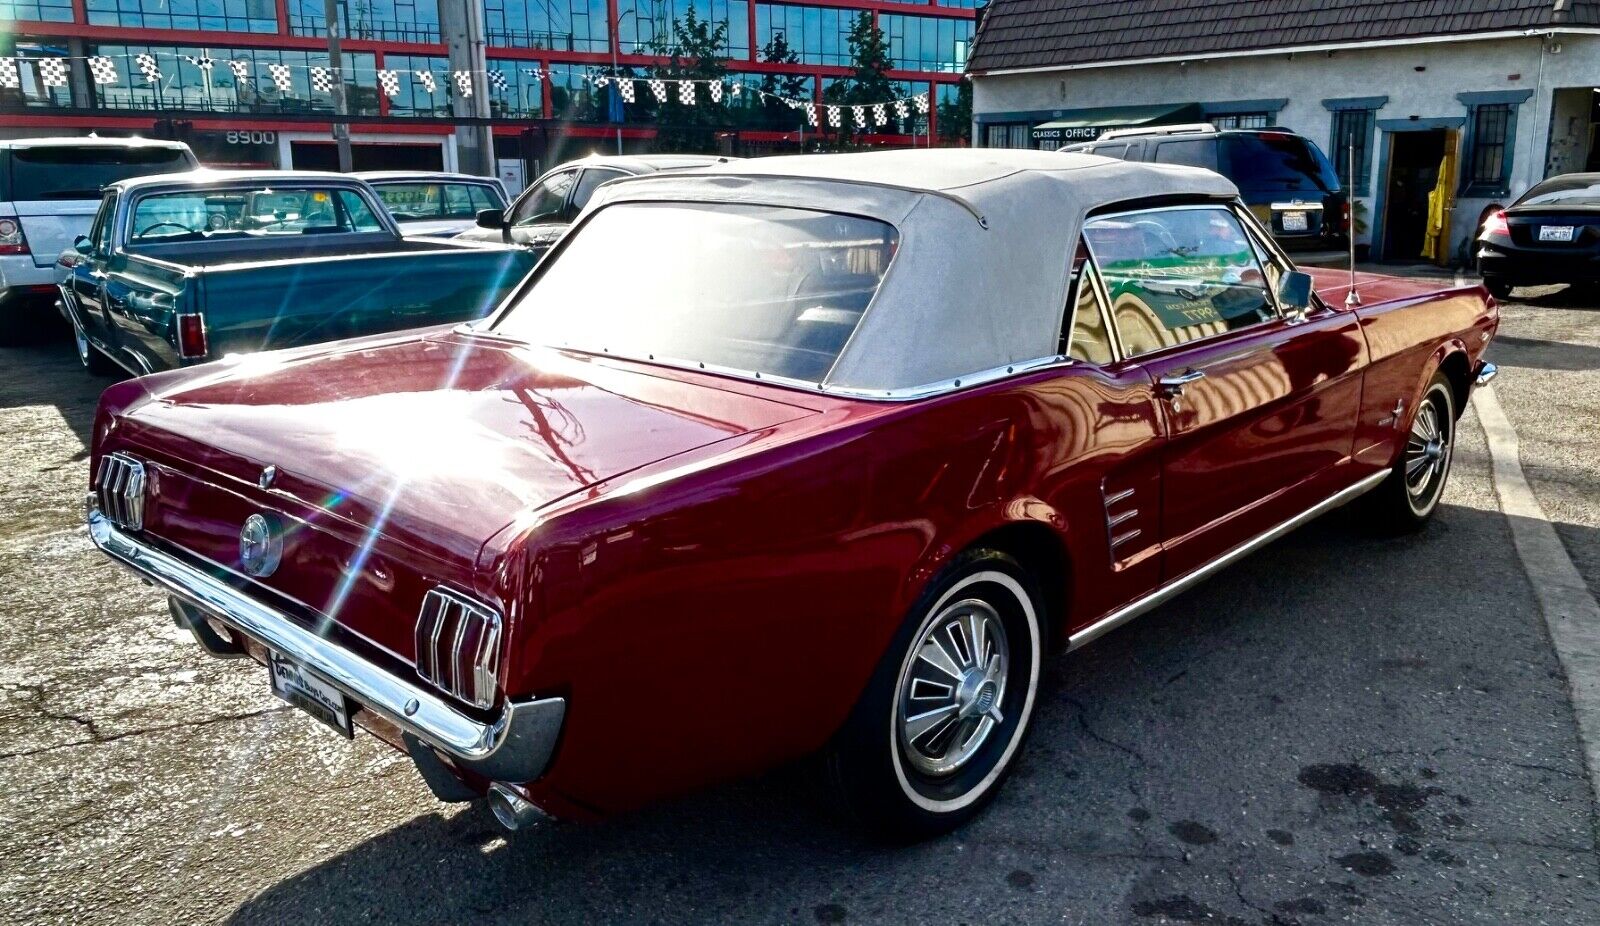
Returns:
(511,810)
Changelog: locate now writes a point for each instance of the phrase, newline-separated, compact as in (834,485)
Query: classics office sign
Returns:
(1067,135)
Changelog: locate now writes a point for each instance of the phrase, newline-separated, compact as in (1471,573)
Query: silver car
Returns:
(435,204)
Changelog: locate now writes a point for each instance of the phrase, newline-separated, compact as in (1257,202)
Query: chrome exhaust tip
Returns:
(511,810)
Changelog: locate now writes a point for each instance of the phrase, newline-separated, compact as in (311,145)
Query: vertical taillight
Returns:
(1496,224)
(11,239)
(191,336)
(1344,216)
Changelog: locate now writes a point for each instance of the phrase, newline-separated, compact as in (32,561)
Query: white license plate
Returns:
(1555,232)
(310,692)
(1294,221)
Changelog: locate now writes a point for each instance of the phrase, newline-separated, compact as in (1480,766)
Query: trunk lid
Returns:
(397,459)
(50,226)
(1555,227)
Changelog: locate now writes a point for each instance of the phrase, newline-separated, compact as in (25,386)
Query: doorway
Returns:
(1414,164)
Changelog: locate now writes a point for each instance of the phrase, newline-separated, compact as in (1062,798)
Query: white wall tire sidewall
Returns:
(983,787)
(1449,420)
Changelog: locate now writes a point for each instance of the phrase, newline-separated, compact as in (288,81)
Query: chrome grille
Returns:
(119,490)
(458,646)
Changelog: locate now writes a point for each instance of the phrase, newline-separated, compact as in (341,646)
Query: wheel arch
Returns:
(1457,368)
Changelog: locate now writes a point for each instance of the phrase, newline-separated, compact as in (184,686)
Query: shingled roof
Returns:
(1046,33)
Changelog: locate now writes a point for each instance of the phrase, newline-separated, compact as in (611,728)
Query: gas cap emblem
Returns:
(260,545)
(268,474)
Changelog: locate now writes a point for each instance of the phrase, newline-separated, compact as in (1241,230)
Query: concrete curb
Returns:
(1570,611)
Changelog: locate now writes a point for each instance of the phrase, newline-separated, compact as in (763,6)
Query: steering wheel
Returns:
(150,228)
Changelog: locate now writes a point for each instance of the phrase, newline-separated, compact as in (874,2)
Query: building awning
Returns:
(1076,125)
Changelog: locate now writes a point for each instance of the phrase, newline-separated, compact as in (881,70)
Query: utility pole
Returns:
(341,108)
(461,23)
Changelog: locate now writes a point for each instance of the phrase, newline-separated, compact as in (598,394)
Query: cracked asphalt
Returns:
(1337,730)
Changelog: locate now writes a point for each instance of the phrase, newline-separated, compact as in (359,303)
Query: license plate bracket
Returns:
(1555,232)
(311,693)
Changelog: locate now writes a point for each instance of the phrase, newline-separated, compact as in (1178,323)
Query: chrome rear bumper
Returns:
(514,747)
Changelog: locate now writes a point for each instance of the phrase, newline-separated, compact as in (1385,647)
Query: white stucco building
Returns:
(1501,93)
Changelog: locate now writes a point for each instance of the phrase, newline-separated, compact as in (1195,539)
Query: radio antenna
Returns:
(1351,298)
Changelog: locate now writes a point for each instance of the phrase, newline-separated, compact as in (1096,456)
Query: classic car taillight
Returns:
(11,237)
(119,487)
(191,336)
(458,646)
(1495,224)
(1344,216)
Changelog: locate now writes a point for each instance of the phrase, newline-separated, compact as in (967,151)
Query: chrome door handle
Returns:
(1172,384)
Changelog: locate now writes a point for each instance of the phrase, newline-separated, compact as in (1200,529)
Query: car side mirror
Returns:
(492,218)
(82,245)
(1294,292)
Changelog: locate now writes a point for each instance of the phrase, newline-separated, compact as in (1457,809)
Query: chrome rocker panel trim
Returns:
(514,747)
(1186,581)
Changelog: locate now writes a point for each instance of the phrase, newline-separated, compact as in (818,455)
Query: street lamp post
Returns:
(616,43)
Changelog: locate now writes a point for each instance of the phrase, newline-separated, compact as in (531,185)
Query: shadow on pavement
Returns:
(46,372)
(1339,722)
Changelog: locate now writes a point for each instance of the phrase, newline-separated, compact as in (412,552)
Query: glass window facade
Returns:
(55,11)
(642,22)
(927,43)
(414,98)
(572,96)
(221,15)
(387,20)
(523,96)
(187,87)
(32,91)
(562,25)
(817,35)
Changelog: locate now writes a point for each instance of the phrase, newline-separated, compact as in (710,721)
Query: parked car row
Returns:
(880,433)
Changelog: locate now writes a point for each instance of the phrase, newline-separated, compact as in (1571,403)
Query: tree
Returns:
(869,79)
(774,114)
(693,49)
(955,119)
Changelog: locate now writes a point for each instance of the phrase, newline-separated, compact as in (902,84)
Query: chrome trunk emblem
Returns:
(260,545)
(267,476)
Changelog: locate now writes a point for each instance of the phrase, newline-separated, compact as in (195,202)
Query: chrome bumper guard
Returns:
(514,747)
(1485,374)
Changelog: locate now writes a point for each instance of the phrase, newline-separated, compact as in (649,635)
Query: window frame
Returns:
(1251,230)
(1475,102)
(528,194)
(573,207)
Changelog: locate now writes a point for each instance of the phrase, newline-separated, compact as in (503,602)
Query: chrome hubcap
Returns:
(950,695)
(1427,451)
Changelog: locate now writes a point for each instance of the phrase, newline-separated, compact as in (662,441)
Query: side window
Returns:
(1194,152)
(483,199)
(1111,151)
(591,179)
(358,215)
(1178,274)
(458,201)
(1085,336)
(545,202)
(100,233)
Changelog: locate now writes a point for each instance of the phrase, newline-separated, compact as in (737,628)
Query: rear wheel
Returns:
(942,719)
(1405,501)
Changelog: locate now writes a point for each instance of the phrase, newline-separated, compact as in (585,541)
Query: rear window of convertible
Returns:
(765,289)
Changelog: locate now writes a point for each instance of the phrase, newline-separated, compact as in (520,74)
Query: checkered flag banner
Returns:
(102,69)
(659,88)
(390,82)
(921,100)
(497,80)
(280,77)
(715,89)
(9,78)
(148,67)
(463,83)
(686,92)
(833,116)
(240,68)
(736,89)
(625,88)
(812,114)
(322,80)
(880,113)
(425,78)
(53,72)
(860,112)
(204,64)
(902,109)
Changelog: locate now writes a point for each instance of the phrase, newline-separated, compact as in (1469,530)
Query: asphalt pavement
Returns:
(1339,729)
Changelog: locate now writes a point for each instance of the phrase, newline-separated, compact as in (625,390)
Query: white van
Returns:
(49,191)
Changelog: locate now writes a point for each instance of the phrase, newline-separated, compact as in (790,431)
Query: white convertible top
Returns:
(979,282)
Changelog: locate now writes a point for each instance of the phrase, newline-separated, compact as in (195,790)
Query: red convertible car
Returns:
(796,455)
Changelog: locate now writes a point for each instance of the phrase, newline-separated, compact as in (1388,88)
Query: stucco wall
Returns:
(1307,79)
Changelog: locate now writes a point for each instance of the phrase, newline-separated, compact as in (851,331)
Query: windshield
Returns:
(201,215)
(79,172)
(418,202)
(767,289)
(1275,161)
(1577,190)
